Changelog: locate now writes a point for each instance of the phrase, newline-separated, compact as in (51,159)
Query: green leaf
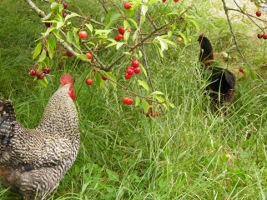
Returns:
(145,105)
(113,42)
(51,44)
(69,37)
(102,32)
(183,36)
(42,56)
(143,69)
(133,22)
(135,35)
(59,24)
(90,27)
(43,81)
(137,101)
(144,85)
(126,36)
(159,98)
(157,93)
(71,16)
(196,24)
(112,18)
(126,25)
(99,81)
(49,30)
(82,57)
(119,45)
(37,50)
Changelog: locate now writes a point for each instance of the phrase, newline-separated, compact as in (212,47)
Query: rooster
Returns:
(222,81)
(33,161)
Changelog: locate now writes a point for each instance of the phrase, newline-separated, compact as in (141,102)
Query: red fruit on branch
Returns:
(64,14)
(260,35)
(135,63)
(120,36)
(88,55)
(65,5)
(241,70)
(33,72)
(258,13)
(69,54)
(48,24)
(46,70)
(127,100)
(40,75)
(163,1)
(127,6)
(128,76)
(89,81)
(121,30)
(264,36)
(130,70)
(176,1)
(82,34)
(104,78)
(137,70)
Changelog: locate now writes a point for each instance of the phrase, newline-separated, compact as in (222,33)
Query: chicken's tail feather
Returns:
(7,121)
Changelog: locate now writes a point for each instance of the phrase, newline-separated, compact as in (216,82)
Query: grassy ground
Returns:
(188,153)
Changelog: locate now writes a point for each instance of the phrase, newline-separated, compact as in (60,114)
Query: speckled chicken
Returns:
(33,161)
(222,81)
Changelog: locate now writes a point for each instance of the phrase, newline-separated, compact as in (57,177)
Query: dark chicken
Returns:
(222,81)
(33,161)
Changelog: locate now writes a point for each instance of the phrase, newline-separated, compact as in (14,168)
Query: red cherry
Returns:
(89,81)
(48,24)
(260,35)
(128,76)
(121,30)
(127,100)
(176,1)
(88,55)
(104,78)
(120,36)
(129,30)
(64,14)
(130,70)
(82,34)
(130,101)
(163,1)
(241,70)
(33,72)
(135,63)
(117,38)
(40,75)
(69,54)
(264,36)
(137,70)
(258,13)
(46,70)
(127,6)
(65,5)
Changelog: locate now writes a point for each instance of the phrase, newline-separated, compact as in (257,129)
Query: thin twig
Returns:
(103,5)
(235,40)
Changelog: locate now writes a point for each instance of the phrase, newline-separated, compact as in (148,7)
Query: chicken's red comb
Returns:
(201,35)
(66,79)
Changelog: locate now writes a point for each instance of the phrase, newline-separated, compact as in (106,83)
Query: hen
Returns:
(222,81)
(33,161)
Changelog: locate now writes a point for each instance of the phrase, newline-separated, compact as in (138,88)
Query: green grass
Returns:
(189,152)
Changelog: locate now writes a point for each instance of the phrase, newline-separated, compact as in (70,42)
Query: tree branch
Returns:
(235,40)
